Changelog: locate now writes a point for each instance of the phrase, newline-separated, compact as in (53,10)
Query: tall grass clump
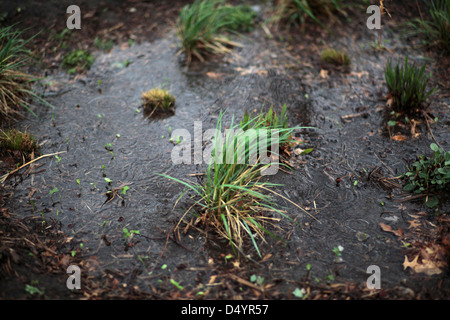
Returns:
(202,27)
(335,57)
(233,199)
(407,86)
(16,141)
(298,12)
(15,85)
(435,28)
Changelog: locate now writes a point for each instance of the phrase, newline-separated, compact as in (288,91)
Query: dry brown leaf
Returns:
(324,74)
(360,74)
(413,223)
(214,75)
(388,228)
(266,257)
(389,102)
(399,137)
(427,266)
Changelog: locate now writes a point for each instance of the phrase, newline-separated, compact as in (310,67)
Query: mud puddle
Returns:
(99,126)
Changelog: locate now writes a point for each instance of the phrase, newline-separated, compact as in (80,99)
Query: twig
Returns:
(429,128)
(5,176)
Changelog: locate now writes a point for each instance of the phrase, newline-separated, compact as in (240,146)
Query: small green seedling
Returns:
(33,290)
(125,189)
(176,284)
(257,279)
(299,293)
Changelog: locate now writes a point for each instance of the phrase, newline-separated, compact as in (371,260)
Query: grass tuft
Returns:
(336,57)
(15,85)
(233,199)
(407,86)
(435,28)
(298,12)
(157,100)
(77,61)
(202,27)
(14,141)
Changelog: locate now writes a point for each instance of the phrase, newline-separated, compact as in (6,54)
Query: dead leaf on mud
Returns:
(214,75)
(390,102)
(360,74)
(399,137)
(426,266)
(324,74)
(388,228)
(413,223)
(251,70)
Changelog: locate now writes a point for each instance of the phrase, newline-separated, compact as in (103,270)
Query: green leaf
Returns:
(392,123)
(33,290)
(432,202)
(306,151)
(434,147)
(176,284)
(124,189)
(298,293)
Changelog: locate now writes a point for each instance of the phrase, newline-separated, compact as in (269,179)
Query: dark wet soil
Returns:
(345,184)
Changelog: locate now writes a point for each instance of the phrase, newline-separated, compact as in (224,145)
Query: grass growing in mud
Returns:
(15,85)
(77,61)
(407,85)
(336,57)
(157,100)
(435,28)
(297,12)
(202,26)
(13,140)
(233,199)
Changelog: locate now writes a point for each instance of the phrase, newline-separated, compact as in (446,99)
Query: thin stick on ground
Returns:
(5,176)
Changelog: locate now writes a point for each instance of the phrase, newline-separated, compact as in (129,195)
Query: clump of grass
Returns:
(407,86)
(241,17)
(202,25)
(297,12)
(157,100)
(429,175)
(232,198)
(335,57)
(436,28)
(13,140)
(77,61)
(15,85)
(270,121)
(103,44)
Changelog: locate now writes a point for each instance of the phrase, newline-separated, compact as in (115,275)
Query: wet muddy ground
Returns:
(101,132)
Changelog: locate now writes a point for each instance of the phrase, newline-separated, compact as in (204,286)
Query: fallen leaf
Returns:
(390,102)
(410,264)
(399,137)
(388,228)
(214,75)
(427,266)
(324,74)
(413,223)
(360,74)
